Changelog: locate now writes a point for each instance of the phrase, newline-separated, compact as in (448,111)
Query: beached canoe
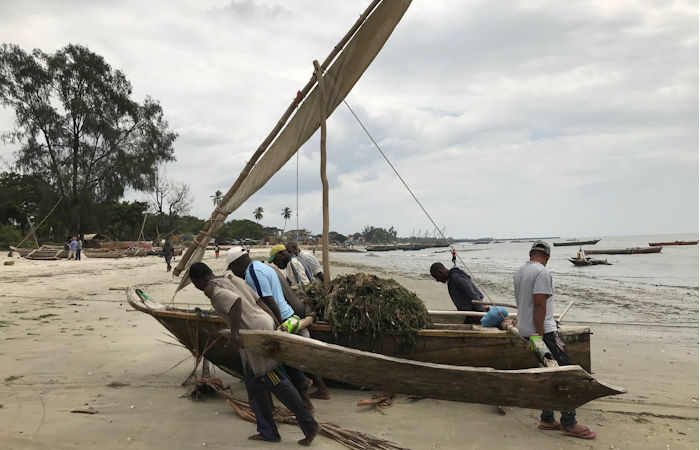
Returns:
(657,244)
(623,251)
(445,343)
(555,388)
(578,243)
(582,262)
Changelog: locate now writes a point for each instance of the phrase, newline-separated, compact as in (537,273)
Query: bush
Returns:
(9,235)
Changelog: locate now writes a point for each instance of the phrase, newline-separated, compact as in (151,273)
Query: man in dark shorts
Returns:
(534,294)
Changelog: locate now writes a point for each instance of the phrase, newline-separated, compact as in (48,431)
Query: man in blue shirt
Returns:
(264,281)
(461,289)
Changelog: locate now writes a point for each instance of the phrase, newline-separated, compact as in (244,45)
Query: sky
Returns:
(506,119)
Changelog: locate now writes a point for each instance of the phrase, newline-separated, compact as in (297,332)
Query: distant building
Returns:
(303,235)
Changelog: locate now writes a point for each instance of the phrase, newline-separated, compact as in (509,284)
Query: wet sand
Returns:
(69,340)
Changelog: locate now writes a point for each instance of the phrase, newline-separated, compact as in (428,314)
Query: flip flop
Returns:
(583,434)
(549,426)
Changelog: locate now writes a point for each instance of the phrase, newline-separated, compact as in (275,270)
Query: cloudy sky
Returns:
(507,119)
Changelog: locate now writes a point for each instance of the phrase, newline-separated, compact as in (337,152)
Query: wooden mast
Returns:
(324,178)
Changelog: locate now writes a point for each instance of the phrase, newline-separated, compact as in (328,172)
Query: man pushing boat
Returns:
(241,308)
(461,289)
(534,295)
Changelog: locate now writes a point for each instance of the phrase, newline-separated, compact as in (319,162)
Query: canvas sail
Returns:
(339,79)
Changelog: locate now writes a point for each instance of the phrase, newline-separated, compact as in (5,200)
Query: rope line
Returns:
(413,195)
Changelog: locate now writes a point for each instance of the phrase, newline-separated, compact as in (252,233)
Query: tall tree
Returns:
(169,201)
(258,213)
(287,214)
(78,127)
(216,198)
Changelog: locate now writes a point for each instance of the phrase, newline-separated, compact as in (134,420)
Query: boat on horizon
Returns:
(577,243)
(623,251)
(657,244)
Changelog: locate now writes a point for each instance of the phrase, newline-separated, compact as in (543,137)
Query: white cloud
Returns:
(506,118)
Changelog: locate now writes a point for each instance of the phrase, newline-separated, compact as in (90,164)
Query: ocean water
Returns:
(661,287)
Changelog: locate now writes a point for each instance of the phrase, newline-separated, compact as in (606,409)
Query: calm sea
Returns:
(641,287)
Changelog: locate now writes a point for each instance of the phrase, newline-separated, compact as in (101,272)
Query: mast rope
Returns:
(452,249)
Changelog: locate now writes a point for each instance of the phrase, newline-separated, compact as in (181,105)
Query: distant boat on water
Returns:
(565,243)
(589,262)
(659,244)
(624,251)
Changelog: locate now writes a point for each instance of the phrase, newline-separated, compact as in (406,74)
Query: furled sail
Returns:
(339,79)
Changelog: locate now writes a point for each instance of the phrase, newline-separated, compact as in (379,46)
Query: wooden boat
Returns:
(445,343)
(624,251)
(577,243)
(582,262)
(558,388)
(657,244)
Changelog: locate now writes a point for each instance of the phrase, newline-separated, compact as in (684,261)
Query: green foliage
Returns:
(369,307)
(240,229)
(189,225)
(9,235)
(78,127)
(126,220)
(378,235)
(336,237)
(22,196)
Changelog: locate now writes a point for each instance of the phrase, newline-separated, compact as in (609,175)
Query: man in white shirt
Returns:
(534,294)
(307,258)
(295,271)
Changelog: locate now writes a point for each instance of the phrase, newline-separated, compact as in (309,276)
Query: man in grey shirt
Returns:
(534,295)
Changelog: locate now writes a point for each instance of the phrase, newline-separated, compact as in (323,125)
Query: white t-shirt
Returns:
(533,278)
(310,261)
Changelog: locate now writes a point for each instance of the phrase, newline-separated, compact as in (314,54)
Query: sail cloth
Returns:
(347,68)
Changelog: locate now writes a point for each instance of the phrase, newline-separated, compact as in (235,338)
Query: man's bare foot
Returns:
(260,437)
(307,403)
(320,395)
(308,439)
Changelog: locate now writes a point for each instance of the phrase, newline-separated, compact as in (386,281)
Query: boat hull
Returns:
(453,344)
(555,388)
(624,251)
(658,244)
(571,243)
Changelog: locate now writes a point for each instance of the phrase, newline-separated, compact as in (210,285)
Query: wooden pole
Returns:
(32,232)
(324,178)
(218,215)
(42,222)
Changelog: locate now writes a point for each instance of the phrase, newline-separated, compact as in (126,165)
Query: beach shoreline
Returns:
(70,341)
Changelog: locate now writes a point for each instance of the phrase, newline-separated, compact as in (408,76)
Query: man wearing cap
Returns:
(296,272)
(264,281)
(240,307)
(306,258)
(534,295)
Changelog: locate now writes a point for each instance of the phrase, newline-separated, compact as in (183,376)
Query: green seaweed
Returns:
(368,306)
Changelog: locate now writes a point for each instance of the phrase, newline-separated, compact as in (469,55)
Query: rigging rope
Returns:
(452,249)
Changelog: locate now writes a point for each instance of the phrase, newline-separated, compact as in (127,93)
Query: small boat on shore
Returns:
(582,262)
(658,244)
(577,243)
(624,251)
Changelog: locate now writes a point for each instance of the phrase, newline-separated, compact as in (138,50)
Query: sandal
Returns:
(583,434)
(549,426)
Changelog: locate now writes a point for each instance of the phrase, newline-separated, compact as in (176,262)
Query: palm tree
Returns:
(216,198)
(257,213)
(287,214)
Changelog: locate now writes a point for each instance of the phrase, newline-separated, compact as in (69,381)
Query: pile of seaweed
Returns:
(369,307)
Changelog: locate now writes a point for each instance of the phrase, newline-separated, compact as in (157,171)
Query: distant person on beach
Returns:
(168,253)
(274,290)
(242,309)
(216,251)
(296,272)
(307,259)
(72,248)
(461,289)
(534,295)
(78,249)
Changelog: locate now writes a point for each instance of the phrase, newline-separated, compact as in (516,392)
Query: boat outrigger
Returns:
(450,361)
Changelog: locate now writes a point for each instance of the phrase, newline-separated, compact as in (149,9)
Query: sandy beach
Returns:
(68,340)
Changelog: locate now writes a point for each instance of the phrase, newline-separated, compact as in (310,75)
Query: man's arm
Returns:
(234,321)
(270,302)
(539,312)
